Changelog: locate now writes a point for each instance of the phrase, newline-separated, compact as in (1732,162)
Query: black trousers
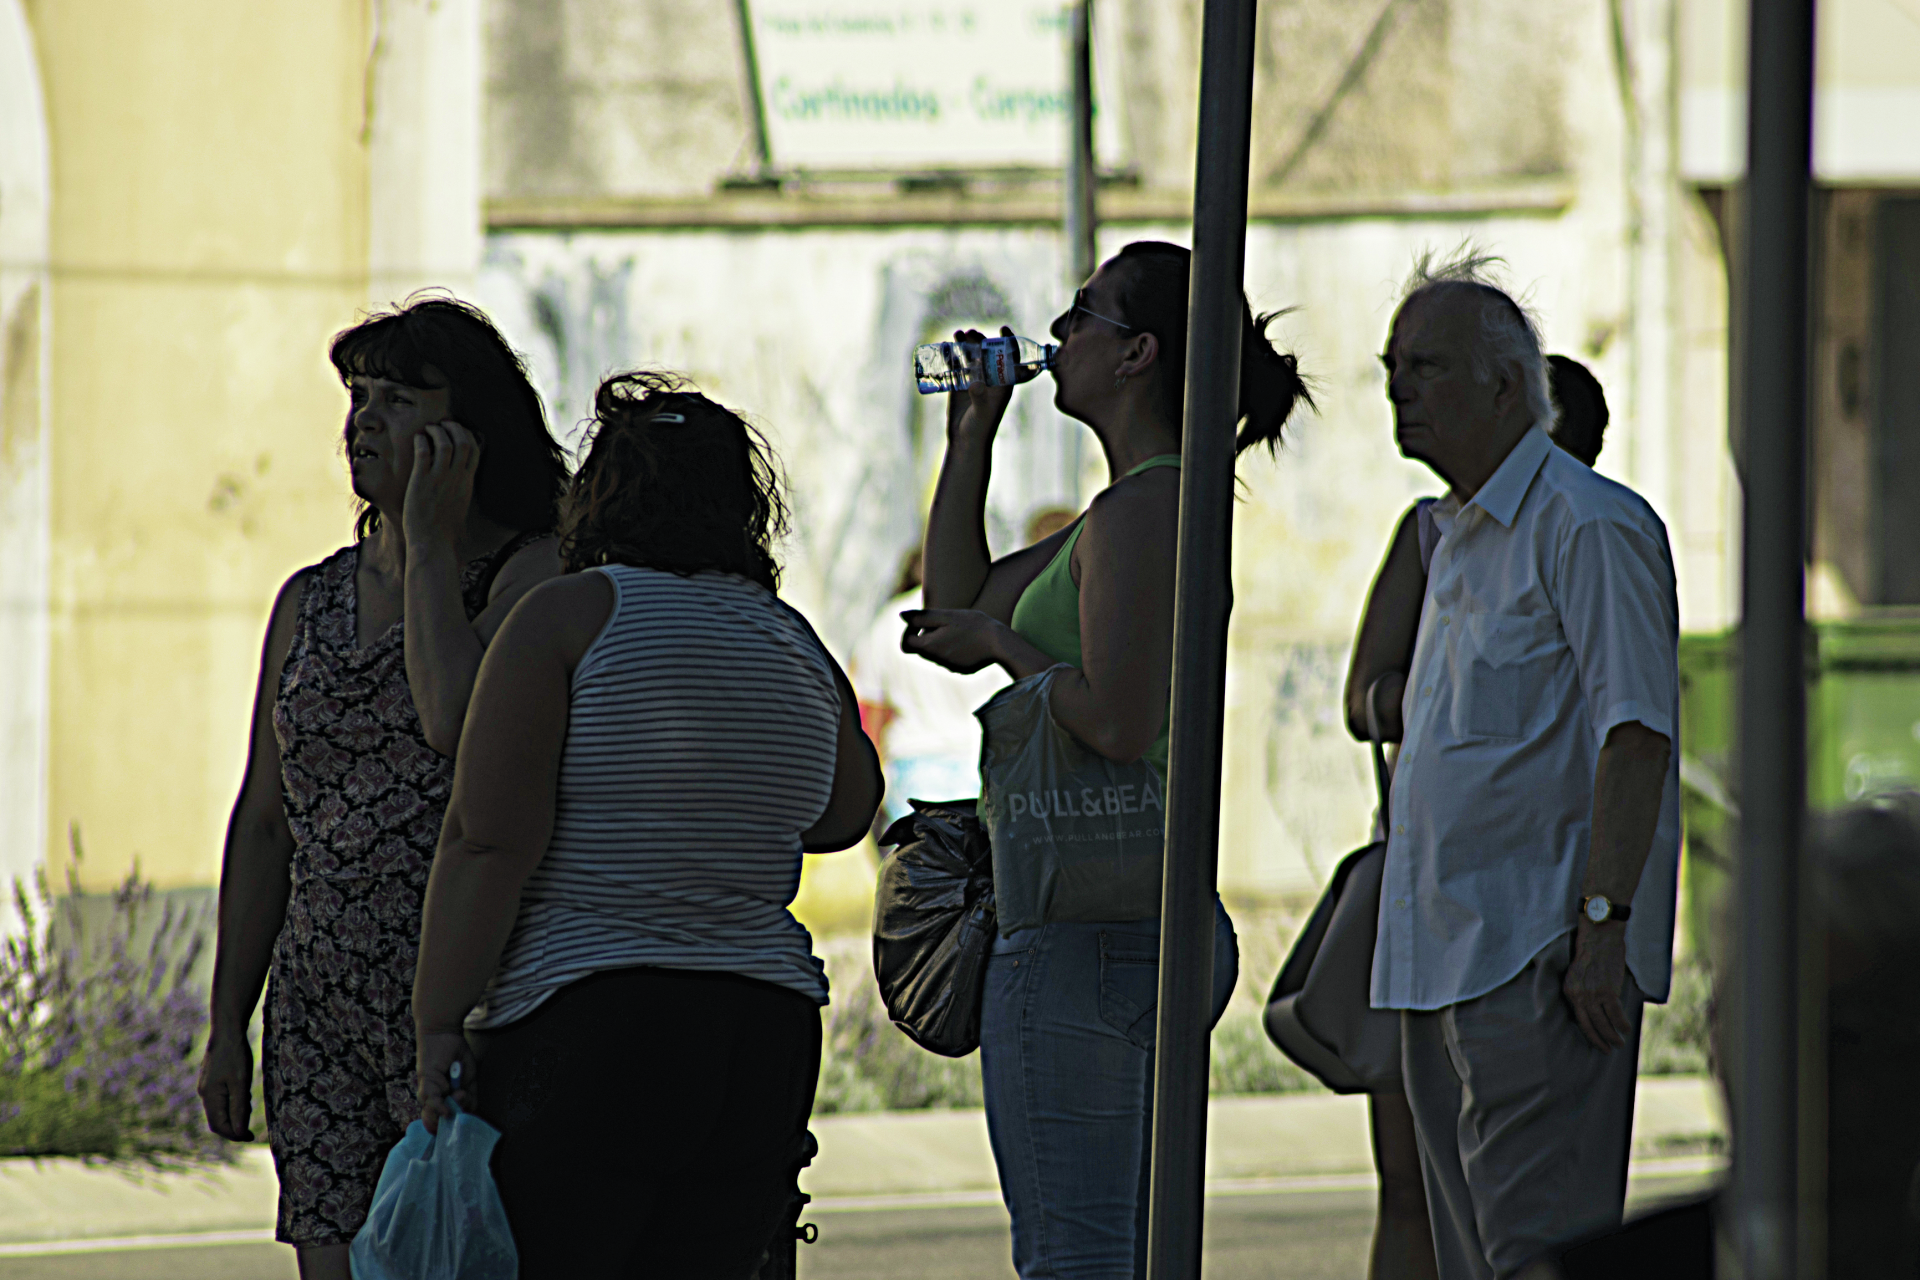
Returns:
(651,1121)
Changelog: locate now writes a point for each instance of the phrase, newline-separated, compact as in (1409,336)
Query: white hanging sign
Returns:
(916,84)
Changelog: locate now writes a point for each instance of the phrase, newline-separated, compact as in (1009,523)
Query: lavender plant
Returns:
(99,1031)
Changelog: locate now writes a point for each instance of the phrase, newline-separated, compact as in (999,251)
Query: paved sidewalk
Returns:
(68,1200)
(883,1160)
(943,1154)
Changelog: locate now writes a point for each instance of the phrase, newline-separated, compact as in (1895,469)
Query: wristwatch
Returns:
(1600,909)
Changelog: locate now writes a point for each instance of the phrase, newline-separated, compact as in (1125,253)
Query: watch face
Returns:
(1598,909)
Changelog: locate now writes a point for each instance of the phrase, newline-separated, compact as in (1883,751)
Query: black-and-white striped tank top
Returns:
(700,743)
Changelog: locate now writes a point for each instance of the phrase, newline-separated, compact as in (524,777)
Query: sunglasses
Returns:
(1080,308)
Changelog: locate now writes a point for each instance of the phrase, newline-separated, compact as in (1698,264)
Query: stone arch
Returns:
(24,471)
(968,297)
(925,289)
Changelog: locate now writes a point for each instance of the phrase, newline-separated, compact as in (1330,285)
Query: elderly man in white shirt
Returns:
(1528,902)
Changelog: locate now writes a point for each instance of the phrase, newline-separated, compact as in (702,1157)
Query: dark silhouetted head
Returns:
(1465,373)
(1142,291)
(434,343)
(673,481)
(1583,408)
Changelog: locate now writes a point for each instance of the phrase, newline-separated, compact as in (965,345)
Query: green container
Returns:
(1707,676)
(1863,737)
(1863,711)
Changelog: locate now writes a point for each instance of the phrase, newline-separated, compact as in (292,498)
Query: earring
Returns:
(1119,379)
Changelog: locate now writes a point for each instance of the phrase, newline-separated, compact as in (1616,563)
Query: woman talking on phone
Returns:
(1067,1027)
(368,666)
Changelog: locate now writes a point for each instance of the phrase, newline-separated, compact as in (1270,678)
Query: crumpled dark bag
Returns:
(933,924)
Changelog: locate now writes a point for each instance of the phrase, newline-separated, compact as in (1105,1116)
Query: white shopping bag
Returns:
(1075,836)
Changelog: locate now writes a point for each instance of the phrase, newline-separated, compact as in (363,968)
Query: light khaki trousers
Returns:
(1523,1125)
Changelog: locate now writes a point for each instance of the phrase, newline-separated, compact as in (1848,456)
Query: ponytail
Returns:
(1153,300)
(1270,385)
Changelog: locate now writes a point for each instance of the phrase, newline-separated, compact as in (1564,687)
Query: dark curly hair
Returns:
(523,469)
(673,481)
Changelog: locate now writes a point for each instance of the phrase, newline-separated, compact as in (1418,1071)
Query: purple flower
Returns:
(98,1034)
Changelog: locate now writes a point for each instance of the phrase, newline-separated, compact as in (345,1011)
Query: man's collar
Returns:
(1500,496)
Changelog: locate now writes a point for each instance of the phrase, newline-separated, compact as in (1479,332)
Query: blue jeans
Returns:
(1066,1055)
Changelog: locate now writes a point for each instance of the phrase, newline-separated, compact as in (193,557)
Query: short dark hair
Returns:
(1583,408)
(523,469)
(1153,299)
(673,481)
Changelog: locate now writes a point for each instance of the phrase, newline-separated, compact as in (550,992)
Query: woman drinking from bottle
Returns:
(1067,1027)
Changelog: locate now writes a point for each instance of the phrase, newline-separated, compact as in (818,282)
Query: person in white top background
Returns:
(919,714)
(1528,903)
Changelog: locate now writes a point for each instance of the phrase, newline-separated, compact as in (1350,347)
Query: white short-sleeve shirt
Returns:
(1550,617)
(933,707)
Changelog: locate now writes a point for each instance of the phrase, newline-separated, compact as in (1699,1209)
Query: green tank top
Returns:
(1047,614)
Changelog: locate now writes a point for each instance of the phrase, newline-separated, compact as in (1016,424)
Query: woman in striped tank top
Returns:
(607,949)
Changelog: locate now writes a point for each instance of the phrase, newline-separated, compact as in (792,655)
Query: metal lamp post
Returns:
(1203,598)
(1771,374)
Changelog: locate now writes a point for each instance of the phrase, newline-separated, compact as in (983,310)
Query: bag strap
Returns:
(1381,778)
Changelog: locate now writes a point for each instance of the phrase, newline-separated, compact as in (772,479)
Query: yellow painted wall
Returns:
(209,232)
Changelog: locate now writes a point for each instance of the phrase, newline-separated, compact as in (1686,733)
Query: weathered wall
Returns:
(24,180)
(586,97)
(222,202)
(1386,96)
(421,138)
(209,230)
(808,332)
(650,97)
(1550,148)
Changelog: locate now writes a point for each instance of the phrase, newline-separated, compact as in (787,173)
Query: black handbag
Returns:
(933,925)
(1320,1012)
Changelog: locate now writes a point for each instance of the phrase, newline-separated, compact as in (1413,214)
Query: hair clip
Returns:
(669,417)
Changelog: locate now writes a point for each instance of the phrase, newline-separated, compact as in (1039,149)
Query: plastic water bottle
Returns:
(1004,362)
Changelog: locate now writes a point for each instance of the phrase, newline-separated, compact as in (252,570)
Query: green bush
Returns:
(868,1064)
(1245,1061)
(1674,1037)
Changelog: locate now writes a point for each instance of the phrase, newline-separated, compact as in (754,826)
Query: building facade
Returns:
(190,208)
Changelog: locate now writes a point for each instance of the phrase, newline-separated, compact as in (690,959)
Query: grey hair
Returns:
(1509,331)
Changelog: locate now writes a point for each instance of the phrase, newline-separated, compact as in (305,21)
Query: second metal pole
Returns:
(1203,598)
(1770,367)
(1081,223)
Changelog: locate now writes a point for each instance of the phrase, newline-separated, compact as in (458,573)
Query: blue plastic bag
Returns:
(436,1214)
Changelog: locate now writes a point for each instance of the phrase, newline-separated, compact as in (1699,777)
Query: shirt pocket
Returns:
(1505,661)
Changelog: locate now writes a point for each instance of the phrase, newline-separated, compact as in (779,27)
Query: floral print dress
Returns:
(364,797)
